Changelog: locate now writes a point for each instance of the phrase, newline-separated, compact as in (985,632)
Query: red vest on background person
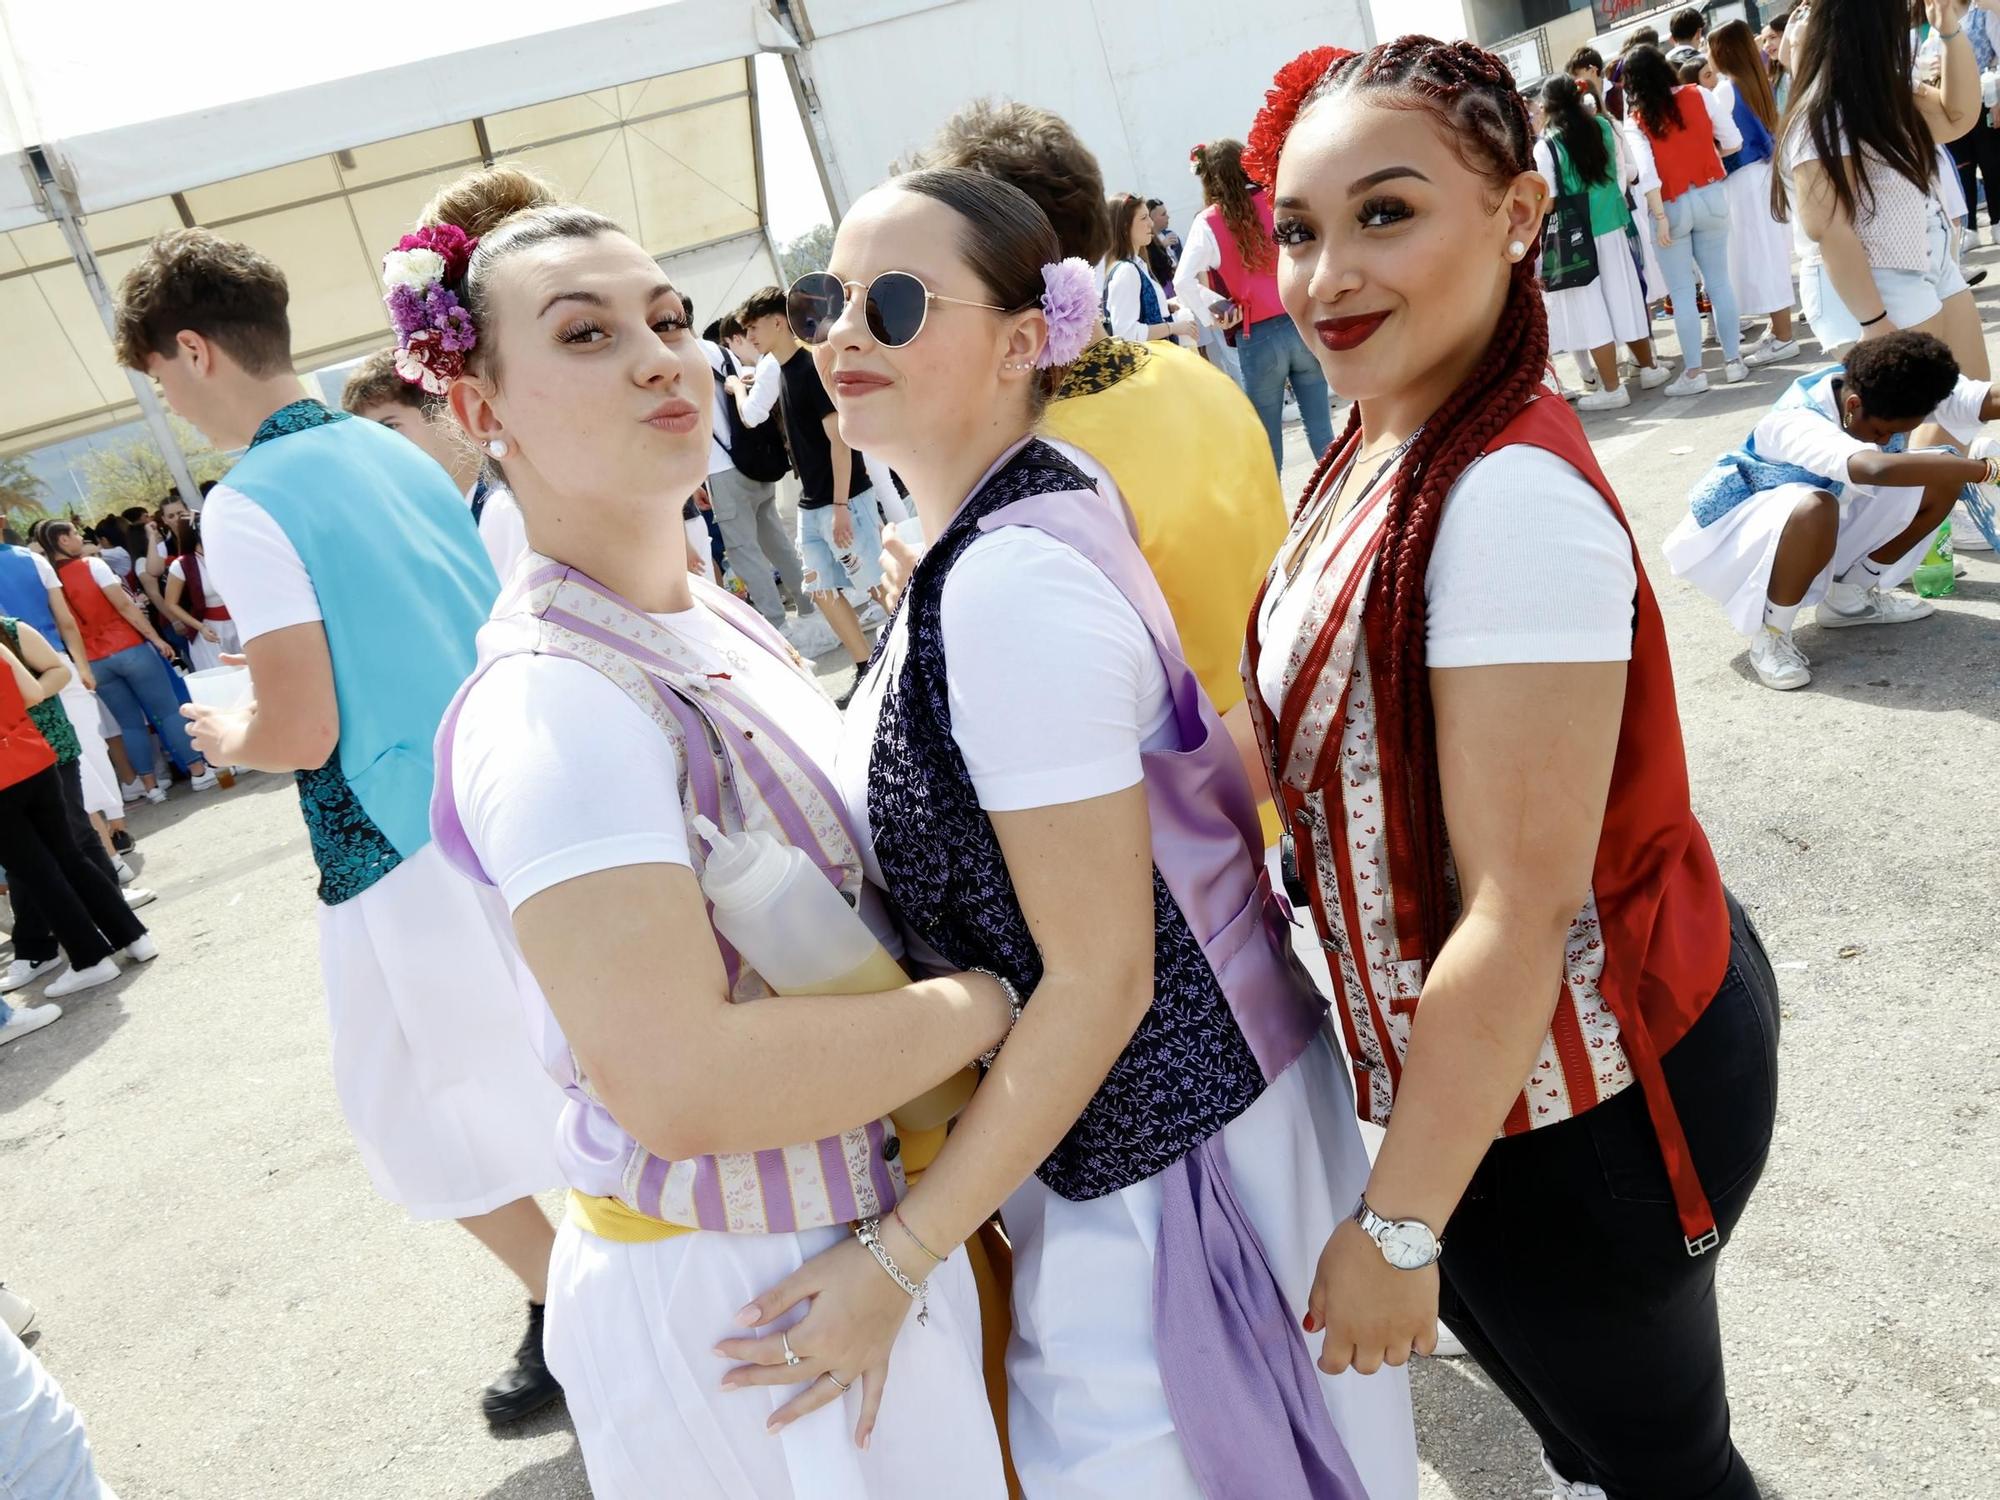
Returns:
(1256,292)
(1687,157)
(105,631)
(198,603)
(1650,947)
(23,751)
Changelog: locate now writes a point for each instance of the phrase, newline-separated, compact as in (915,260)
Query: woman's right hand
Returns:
(1662,235)
(208,634)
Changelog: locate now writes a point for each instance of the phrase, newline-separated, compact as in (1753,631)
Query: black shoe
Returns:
(121,841)
(1975,278)
(848,696)
(526,1385)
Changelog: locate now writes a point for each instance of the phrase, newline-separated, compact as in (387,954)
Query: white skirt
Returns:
(1760,248)
(207,657)
(431,1056)
(1087,1415)
(1611,310)
(631,1333)
(100,782)
(1730,559)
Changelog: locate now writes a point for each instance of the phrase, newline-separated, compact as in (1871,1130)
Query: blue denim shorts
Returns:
(828,567)
(1911,297)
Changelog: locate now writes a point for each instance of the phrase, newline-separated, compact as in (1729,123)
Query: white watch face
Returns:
(1408,1245)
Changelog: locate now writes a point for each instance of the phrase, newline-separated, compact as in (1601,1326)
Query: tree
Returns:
(134,473)
(811,251)
(23,494)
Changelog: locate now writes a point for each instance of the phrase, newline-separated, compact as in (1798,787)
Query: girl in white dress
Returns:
(212,633)
(1760,248)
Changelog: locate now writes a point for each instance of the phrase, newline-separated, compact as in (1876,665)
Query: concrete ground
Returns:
(239,1316)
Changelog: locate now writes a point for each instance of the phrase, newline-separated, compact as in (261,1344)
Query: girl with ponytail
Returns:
(1231,239)
(1463,699)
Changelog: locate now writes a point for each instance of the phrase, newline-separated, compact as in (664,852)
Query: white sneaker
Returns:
(126,874)
(138,896)
(132,790)
(156,795)
(1849,604)
(204,782)
(78,980)
(16,1311)
(1735,371)
(1568,1489)
(1612,400)
(1768,352)
(871,616)
(1778,663)
(142,949)
(1448,1344)
(811,637)
(1690,382)
(1653,377)
(21,973)
(1590,380)
(28,1018)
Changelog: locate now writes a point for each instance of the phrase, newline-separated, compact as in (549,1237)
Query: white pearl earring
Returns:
(497,448)
(1516,250)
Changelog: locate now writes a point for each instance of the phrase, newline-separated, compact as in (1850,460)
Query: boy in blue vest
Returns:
(1835,496)
(355,574)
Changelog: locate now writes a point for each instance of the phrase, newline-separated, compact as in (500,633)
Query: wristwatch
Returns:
(1407,1244)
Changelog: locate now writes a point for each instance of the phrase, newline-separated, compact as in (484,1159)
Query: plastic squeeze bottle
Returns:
(1936,576)
(789,923)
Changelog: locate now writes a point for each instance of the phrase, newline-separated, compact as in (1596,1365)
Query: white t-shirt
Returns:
(177,569)
(762,397)
(502,529)
(46,572)
(1893,225)
(1529,565)
(103,577)
(1054,685)
(723,363)
(255,565)
(557,774)
(1811,436)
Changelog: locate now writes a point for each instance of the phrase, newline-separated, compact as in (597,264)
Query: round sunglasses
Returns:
(897,305)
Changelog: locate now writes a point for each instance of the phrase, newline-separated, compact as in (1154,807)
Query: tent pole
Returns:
(805,93)
(62,208)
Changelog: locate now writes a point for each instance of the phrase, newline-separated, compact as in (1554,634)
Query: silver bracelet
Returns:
(869,1232)
(1014,1001)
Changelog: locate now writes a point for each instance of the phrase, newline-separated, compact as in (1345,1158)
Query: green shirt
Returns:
(1609,212)
(49,716)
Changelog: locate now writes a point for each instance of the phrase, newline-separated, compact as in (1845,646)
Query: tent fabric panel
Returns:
(694,176)
(223,202)
(717,278)
(336,292)
(52,374)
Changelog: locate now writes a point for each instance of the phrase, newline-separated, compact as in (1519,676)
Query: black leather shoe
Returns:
(526,1385)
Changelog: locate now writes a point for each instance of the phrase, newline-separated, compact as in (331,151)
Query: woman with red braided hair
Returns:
(1466,710)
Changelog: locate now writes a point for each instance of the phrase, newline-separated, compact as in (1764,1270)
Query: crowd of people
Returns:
(1171,826)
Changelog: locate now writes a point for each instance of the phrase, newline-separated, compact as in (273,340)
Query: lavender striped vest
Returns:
(741,770)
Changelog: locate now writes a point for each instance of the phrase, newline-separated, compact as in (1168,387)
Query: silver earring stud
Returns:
(497,448)
(1516,250)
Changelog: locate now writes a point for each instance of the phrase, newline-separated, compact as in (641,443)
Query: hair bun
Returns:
(482,201)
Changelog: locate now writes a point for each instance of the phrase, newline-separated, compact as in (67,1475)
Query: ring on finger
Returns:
(843,1384)
(790,1357)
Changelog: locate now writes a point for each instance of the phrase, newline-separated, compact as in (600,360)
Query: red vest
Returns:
(1256,292)
(23,751)
(105,631)
(1651,945)
(1687,157)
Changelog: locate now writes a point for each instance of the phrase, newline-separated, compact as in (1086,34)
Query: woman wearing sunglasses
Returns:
(1044,792)
(710,1146)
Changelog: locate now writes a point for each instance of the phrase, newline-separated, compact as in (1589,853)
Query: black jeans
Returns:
(1977,155)
(34,939)
(1566,1274)
(78,896)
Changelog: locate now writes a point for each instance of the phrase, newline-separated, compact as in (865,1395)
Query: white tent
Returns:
(318,138)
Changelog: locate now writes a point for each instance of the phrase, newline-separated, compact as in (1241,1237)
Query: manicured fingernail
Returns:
(774,1427)
(719,1352)
(748,1317)
(1310,1323)
(730,1384)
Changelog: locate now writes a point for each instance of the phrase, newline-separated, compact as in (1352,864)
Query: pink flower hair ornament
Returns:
(1069,299)
(434,330)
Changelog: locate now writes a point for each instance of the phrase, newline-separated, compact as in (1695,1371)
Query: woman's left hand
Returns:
(1373,1314)
(856,1313)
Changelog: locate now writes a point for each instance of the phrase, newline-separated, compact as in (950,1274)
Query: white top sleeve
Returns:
(762,397)
(1121,302)
(503,531)
(1959,414)
(176,570)
(1530,565)
(1803,437)
(45,572)
(1727,137)
(102,576)
(1054,685)
(255,565)
(543,804)
(1200,254)
(1646,171)
(1545,162)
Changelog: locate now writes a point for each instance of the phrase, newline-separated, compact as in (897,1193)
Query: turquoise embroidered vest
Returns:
(403,586)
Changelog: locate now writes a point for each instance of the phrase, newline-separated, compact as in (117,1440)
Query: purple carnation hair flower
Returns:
(455,330)
(406,309)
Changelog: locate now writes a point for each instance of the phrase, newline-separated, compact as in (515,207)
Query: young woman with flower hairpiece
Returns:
(1045,793)
(1466,711)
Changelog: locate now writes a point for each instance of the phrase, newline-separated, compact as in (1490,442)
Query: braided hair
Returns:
(1472,96)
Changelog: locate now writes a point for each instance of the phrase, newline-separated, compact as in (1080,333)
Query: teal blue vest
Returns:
(403,586)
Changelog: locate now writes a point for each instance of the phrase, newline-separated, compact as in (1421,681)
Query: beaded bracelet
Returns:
(1014,1000)
(869,1232)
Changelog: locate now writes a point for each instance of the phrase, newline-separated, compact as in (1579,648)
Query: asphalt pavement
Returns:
(237,1315)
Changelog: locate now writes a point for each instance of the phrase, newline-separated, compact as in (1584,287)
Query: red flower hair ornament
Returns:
(1293,85)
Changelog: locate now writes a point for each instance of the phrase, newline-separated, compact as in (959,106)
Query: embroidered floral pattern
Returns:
(1101,366)
(300,416)
(1188,1070)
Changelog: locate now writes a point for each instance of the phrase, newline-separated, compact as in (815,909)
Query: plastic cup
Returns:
(219,687)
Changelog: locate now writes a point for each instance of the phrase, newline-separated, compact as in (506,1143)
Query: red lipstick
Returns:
(1342,334)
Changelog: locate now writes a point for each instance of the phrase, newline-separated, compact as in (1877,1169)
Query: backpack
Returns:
(759,453)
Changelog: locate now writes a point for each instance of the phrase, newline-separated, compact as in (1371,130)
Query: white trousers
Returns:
(1087,1414)
(631,1333)
(100,782)
(431,1055)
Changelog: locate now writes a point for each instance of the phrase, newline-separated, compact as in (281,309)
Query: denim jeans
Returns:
(1273,355)
(1699,222)
(138,688)
(44,1453)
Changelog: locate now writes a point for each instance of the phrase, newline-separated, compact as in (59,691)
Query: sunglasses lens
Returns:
(813,305)
(897,302)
